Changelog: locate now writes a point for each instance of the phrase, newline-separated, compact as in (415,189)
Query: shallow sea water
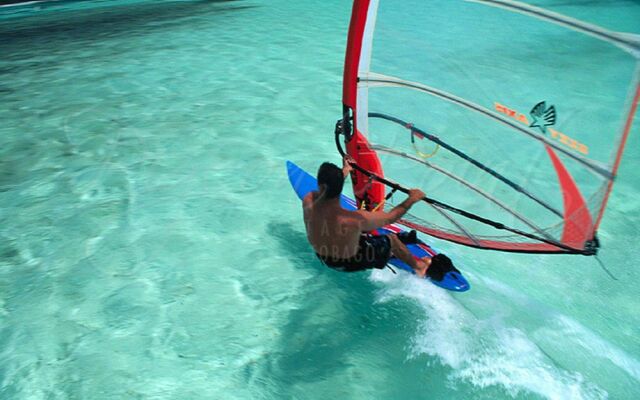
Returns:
(151,246)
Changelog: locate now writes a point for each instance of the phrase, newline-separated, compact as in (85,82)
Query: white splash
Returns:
(482,351)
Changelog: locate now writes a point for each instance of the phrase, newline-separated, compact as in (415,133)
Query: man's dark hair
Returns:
(331,176)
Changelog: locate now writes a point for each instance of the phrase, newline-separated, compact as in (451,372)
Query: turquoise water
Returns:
(151,247)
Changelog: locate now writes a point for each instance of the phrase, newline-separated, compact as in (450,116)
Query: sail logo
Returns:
(543,118)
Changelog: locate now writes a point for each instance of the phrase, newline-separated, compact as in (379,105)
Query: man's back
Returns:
(331,230)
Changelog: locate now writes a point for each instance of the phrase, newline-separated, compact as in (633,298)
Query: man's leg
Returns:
(402,252)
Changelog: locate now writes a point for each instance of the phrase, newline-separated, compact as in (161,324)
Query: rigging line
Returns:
(472,187)
(473,161)
(628,42)
(605,268)
(495,224)
(454,222)
(441,212)
(467,104)
(444,214)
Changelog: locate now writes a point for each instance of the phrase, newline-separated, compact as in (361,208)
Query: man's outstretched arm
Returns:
(369,221)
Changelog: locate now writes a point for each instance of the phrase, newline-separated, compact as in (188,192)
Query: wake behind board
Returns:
(303,183)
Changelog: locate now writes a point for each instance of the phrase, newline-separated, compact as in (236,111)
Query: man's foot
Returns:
(410,237)
(422,265)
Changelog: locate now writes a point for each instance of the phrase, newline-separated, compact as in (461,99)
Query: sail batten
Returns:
(630,43)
